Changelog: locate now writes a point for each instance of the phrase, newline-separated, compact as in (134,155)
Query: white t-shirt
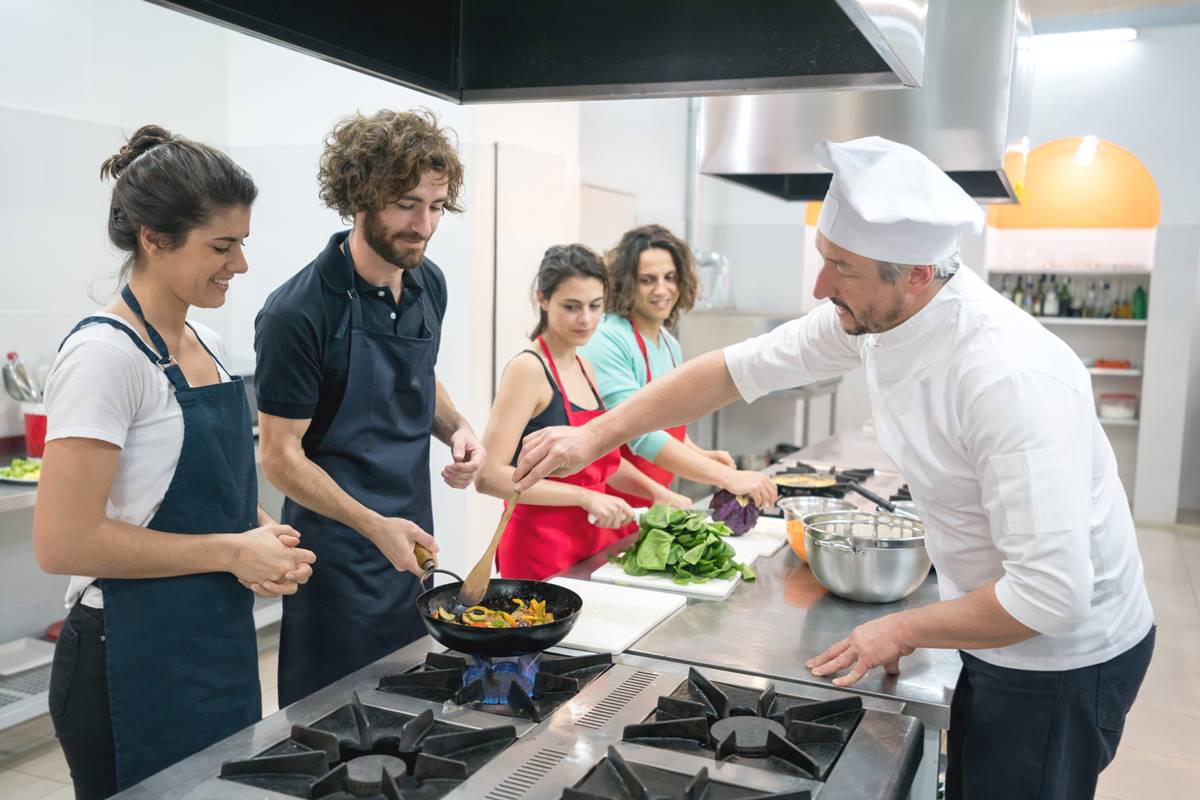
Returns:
(990,418)
(103,387)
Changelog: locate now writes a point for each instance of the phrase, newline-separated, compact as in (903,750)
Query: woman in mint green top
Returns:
(653,280)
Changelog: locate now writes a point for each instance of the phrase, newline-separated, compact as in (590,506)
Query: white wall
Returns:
(1142,96)
(85,73)
(79,76)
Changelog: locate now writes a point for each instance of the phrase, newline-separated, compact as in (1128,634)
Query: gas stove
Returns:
(423,724)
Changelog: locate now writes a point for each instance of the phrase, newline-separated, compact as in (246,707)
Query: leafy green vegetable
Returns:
(23,468)
(654,550)
(683,545)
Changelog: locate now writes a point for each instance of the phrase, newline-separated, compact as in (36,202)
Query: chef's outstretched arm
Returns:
(696,389)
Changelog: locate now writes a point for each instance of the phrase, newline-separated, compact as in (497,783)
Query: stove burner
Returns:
(366,752)
(730,722)
(449,677)
(498,676)
(747,735)
(366,775)
(614,777)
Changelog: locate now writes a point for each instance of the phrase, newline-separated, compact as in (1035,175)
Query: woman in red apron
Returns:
(559,521)
(654,281)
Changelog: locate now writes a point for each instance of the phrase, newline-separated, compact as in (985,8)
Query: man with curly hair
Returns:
(348,396)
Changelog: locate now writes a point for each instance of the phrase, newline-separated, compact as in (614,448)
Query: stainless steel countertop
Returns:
(771,626)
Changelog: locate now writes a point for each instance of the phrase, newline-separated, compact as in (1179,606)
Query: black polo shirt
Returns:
(301,368)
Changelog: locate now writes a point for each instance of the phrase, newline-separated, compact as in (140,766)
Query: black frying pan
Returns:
(560,601)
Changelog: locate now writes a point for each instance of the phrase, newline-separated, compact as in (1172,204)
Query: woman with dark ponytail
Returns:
(148,494)
(559,521)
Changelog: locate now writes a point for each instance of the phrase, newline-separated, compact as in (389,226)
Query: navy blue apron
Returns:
(357,607)
(181,652)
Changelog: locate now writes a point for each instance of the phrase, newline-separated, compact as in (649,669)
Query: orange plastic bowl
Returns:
(796,508)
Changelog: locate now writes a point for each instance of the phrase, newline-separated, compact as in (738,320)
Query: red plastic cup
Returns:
(35,429)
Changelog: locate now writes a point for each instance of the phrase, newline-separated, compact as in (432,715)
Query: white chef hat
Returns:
(889,202)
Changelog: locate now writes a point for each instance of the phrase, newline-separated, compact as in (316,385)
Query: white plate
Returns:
(22,654)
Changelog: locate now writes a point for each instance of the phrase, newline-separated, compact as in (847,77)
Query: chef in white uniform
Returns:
(991,420)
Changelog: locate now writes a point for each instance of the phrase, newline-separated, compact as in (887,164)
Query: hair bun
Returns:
(144,138)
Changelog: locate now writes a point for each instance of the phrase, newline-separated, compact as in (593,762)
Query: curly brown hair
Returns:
(622,263)
(370,162)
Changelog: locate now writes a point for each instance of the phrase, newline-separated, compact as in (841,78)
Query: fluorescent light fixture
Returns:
(1086,153)
(1077,38)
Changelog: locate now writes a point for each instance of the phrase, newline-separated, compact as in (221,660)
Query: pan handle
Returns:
(879,501)
(438,570)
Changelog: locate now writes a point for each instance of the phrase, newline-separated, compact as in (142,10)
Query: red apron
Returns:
(540,541)
(678,433)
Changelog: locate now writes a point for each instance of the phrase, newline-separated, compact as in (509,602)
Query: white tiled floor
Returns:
(1159,758)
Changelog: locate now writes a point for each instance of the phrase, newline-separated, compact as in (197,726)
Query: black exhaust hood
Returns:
(472,51)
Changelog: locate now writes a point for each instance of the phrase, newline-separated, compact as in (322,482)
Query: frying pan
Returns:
(563,603)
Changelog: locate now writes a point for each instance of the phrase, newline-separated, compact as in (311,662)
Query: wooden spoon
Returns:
(476,584)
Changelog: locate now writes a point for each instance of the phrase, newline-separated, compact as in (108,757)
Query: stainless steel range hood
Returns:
(471,51)
(971,115)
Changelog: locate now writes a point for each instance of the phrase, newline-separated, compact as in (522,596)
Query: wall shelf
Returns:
(1116,373)
(1070,321)
(1119,423)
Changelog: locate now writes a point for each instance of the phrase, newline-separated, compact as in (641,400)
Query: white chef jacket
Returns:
(990,418)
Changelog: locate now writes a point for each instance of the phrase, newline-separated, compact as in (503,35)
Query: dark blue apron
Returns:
(181,652)
(357,607)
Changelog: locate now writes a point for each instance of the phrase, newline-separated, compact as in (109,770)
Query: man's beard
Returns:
(384,243)
(869,322)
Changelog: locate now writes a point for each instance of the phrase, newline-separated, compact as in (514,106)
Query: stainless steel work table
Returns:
(773,625)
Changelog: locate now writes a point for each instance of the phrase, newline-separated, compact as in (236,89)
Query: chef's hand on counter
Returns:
(759,487)
(397,539)
(468,456)
(607,510)
(877,643)
(555,451)
(269,560)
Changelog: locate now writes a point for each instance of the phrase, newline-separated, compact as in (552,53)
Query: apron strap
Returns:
(165,361)
(211,354)
(562,390)
(133,337)
(592,386)
(646,355)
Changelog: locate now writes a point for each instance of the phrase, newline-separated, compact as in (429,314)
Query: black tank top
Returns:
(554,413)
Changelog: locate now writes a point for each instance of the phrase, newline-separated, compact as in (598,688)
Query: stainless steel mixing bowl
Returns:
(865,556)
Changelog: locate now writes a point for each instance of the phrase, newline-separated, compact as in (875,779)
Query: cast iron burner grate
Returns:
(369,753)
(614,777)
(763,729)
(451,677)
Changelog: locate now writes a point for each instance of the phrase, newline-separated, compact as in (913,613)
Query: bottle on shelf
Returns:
(1105,303)
(1064,298)
(1122,308)
(1089,302)
(1076,301)
(1028,296)
(1139,303)
(1050,301)
(1018,293)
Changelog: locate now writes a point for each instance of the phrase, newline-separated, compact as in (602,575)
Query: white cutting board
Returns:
(712,590)
(614,617)
(756,542)
(771,526)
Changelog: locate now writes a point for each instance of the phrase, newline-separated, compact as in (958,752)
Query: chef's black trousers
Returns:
(79,704)
(1017,733)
